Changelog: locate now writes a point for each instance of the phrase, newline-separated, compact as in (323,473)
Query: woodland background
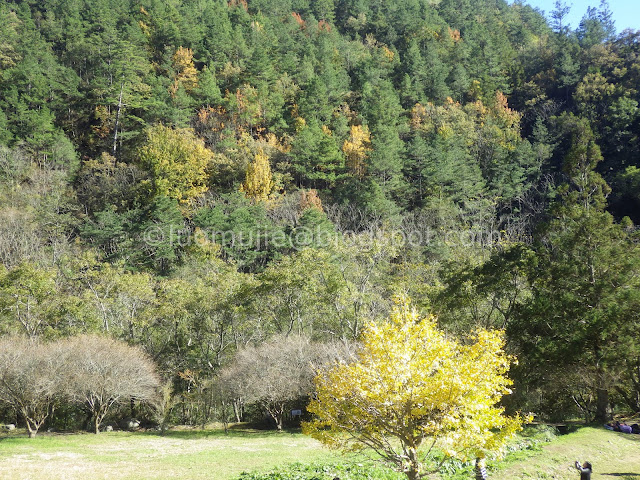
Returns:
(170,172)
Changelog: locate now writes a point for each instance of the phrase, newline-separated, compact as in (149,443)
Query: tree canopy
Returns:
(412,393)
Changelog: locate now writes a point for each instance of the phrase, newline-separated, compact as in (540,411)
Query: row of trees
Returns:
(406,383)
(94,373)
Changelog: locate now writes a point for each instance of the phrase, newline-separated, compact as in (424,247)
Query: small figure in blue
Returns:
(481,469)
(585,470)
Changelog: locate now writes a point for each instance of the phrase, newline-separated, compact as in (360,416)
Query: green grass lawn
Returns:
(615,456)
(179,454)
(212,455)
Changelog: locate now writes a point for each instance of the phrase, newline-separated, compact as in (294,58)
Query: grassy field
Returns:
(615,456)
(213,455)
(180,454)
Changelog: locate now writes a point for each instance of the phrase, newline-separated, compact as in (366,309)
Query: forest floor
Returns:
(210,454)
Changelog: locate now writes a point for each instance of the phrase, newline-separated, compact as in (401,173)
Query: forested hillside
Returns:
(200,176)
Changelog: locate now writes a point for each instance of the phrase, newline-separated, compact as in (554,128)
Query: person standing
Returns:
(481,469)
(585,470)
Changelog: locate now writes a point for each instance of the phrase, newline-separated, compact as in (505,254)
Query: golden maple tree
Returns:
(186,72)
(178,162)
(356,148)
(258,183)
(414,390)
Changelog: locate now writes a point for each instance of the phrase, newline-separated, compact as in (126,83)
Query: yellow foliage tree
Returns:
(186,72)
(413,390)
(258,183)
(356,148)
(178,162)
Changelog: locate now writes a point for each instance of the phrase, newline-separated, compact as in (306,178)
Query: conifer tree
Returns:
(583,314)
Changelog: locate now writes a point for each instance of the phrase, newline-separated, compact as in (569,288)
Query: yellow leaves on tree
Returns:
(413,389)
(504,123)
(479,124)
(186,73)
(388,54)
(258,183)
(356,148)
(178,162)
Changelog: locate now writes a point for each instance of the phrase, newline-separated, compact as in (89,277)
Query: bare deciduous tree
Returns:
(102,372)
(276,372)
(30,379)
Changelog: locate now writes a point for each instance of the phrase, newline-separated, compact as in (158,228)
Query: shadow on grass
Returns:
(634,437)
(632,476)
(236,432)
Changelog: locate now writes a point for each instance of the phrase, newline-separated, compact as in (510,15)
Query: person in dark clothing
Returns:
(624,428)
(481,469)
(585,470)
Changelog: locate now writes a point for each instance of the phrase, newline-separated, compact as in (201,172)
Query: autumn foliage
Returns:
(186,73)
(356,148)
(178,162)
(414,390)
(258,182)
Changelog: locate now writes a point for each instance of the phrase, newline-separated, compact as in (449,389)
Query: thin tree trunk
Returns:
(115,130)
(414,465)
(237,410)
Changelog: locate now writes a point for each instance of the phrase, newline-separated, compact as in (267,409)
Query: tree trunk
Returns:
(278,419)
(413,473)
(236,411)
(32,425)
(99,416)
(602,409)
(115,130)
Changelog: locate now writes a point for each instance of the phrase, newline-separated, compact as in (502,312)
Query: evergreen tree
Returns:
(582,316)
(381,107)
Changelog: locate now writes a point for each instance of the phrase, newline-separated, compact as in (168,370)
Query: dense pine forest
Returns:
(216,181)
